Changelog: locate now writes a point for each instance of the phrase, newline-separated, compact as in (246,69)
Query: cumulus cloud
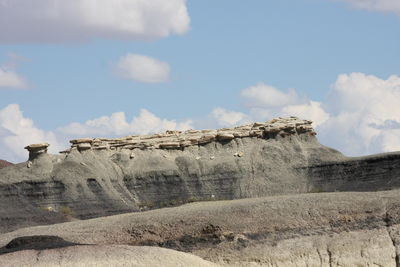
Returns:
(311,110)
(16,131)
(365,114)
(265,101)
(263,95)
(361,114)
(78,20)
(226,118)
(392,6)
(142,69)
(117,125)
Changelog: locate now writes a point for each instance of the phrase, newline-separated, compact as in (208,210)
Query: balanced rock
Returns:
(37,149)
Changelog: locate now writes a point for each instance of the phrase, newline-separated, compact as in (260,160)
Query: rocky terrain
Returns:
(4,163)
(261,192)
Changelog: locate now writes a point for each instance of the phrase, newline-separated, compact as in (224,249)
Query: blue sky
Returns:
(201,69)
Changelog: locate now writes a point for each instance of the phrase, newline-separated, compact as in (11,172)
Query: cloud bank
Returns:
(142,69)
(81,20)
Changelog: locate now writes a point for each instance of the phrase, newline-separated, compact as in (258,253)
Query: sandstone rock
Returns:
(223,136)
(37,147)
(36,150)
(81,140)
(84,146)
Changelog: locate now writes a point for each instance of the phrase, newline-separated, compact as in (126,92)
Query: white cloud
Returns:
(361,114)
(392,6)
(142,69)
(365,114)
(11,79)
(227,118)
(117,125)
(263,95)
(311,110)
(16,131)
(77,20)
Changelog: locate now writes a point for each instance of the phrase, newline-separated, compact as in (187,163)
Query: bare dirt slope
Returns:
(326,229)
(101,255)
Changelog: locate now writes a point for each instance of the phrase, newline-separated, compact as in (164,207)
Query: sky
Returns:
(92,68)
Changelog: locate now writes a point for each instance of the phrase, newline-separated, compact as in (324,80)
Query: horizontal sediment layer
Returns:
(179,139)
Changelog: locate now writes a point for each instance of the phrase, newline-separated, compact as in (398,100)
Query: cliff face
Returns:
(99,177)
(269,168)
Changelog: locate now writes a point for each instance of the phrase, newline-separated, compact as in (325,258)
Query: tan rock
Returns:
(223,136)
(81,140)
(84,146)
(36,147)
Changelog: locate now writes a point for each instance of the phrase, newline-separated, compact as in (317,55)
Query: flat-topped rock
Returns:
(36,147)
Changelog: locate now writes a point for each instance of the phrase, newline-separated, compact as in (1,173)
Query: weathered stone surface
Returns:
(282,126)
(225,136)
(37,147)
(84,146)
(81,140)
(36,150)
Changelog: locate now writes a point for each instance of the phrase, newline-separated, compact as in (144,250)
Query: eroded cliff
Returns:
(98,176)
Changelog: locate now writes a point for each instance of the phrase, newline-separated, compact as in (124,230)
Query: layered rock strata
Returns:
(179,140)
(99,177)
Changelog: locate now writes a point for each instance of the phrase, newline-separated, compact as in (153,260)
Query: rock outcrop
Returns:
(180,140)
(276,176)
(98,177)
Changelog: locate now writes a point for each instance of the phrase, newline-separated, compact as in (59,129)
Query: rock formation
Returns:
(98,177)
(256,164)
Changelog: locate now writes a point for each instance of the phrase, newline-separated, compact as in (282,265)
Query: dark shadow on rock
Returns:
(36,242)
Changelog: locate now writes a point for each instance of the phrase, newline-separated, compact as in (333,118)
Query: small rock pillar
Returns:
(36,150)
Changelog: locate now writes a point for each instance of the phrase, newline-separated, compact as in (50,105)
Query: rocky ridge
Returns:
(179,140)
(265,172)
